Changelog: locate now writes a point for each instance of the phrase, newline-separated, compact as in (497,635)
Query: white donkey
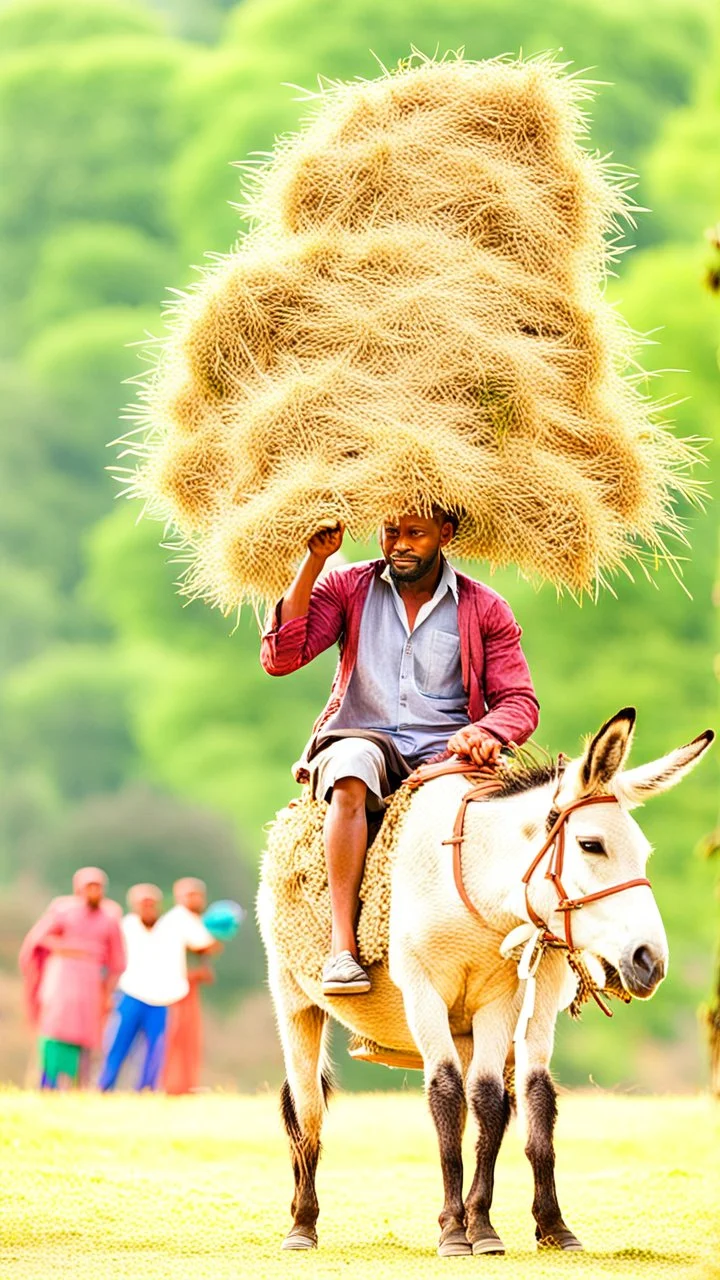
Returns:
(556,841)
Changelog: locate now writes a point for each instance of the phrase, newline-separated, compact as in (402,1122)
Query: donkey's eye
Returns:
(592,846)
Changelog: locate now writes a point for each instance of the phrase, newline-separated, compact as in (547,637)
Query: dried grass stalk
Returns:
(416,317)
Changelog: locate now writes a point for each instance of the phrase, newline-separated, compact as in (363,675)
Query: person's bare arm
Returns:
(321,546)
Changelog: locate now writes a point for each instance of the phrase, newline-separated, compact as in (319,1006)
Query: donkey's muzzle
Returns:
(642,969)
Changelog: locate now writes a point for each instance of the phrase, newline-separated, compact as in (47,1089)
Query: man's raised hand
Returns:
(326,541)
(474,743)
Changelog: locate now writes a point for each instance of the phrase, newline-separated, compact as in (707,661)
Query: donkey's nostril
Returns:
(642,968)
(645,965)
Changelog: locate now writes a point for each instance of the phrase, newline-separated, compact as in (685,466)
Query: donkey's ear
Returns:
(635,785)
(604,756)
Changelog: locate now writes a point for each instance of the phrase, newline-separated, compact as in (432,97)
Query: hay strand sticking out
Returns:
(416,317)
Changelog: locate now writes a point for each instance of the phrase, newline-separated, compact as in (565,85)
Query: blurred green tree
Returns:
(81,363)
(28,23)
(67,712)
(86,136)
(85,266)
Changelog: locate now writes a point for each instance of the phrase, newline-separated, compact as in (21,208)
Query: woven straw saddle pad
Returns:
(295,871)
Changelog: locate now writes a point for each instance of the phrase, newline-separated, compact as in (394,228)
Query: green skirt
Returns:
(58,1059)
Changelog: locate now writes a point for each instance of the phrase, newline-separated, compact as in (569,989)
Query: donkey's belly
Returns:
(378,1016)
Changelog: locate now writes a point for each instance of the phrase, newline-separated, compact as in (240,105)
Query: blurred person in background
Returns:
(140,1009)
(155,979)
(70,961)
(184,1045)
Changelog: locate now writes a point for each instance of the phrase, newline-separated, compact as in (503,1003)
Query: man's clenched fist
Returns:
(326,542)
(473,743)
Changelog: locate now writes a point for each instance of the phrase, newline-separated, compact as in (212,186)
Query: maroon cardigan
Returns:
(501,698)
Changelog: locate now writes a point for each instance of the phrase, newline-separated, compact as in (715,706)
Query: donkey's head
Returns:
(604,847)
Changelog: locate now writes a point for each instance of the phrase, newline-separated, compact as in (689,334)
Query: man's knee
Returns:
(349,796)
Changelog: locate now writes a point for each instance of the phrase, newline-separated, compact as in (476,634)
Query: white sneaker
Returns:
(343,976)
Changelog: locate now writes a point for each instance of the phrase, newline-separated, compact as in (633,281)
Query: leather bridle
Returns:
(556,844)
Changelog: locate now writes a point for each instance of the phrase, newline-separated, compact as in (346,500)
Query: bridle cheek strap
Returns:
(555,843)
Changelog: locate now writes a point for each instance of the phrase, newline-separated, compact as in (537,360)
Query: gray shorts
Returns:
(351,758)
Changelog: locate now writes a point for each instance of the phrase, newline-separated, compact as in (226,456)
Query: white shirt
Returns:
(156,971)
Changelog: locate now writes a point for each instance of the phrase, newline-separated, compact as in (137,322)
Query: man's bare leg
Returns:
(346,834)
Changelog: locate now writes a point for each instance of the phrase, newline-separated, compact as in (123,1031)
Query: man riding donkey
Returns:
(430,664)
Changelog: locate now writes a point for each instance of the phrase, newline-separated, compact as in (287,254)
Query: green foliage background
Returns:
(144,734)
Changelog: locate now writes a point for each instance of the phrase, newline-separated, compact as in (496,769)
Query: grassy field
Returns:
(149,1188)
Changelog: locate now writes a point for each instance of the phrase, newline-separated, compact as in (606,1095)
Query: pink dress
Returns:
(65,993)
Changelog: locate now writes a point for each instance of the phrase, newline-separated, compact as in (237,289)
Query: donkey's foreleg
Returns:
(540,1106)
(302,1099)
(428,1020)
(489,1103)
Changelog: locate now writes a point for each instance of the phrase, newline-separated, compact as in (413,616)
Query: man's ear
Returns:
(447,533)
(604,756)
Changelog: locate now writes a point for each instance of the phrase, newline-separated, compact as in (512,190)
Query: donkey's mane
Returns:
(530,766)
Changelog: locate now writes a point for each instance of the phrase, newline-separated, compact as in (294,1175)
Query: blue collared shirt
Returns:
(407,684)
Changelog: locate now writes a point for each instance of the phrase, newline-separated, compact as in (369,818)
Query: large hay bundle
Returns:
(415,317)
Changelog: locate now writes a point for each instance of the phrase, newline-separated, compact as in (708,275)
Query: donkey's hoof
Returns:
(562,1239)
(300,1238)
(454,1244)
(489,1242)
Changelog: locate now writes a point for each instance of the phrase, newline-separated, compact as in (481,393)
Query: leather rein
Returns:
(484,788)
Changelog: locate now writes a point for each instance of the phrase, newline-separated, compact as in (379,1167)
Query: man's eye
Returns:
(592,846)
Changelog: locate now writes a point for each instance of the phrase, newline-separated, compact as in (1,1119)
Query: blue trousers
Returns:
(133,1018)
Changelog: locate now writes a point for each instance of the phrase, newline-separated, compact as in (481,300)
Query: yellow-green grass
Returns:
(146,1187)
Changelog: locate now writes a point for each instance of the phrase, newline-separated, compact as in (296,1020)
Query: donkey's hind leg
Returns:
(303,1099)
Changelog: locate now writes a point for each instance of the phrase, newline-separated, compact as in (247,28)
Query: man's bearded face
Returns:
(412,545)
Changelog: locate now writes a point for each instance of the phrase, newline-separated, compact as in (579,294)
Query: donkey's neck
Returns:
(502,837)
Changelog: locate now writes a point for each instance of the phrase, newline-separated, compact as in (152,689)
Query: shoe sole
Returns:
(346,988)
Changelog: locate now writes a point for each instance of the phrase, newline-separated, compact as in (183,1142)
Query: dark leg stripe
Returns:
(541,1100)
(305,1154)
(446,1098)
(491,1108)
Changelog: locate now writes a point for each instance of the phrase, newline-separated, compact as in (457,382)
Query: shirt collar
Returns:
(448,581)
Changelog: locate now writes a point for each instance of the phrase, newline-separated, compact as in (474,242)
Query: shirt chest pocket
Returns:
(437,666)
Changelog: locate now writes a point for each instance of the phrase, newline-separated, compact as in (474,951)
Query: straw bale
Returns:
(416,317)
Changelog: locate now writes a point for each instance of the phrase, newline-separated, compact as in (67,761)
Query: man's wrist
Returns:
(317,563)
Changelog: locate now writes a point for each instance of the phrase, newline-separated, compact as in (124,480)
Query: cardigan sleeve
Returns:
(289,646)
(512,707)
